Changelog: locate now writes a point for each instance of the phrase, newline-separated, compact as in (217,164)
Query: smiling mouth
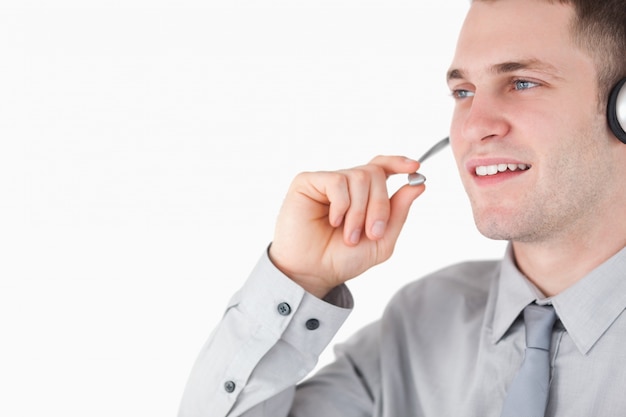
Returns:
(486,170)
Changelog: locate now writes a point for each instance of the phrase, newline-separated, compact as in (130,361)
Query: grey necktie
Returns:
(527,395)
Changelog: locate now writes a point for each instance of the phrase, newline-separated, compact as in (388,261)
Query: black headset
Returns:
(616,110)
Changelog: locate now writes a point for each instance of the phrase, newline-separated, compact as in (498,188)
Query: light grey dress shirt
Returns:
(447,345)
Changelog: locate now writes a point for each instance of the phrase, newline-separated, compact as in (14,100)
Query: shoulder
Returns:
(462,287)
(472,277)
(450,300)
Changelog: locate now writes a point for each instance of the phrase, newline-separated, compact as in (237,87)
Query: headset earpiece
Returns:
(616,110)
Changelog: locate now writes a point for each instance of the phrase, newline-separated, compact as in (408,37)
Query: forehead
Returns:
(510,31)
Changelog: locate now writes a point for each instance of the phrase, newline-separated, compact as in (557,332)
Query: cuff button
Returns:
(312,324)
(229,386)
(284,309)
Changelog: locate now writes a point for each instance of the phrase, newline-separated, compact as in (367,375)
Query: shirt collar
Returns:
(514,292)
(586,309)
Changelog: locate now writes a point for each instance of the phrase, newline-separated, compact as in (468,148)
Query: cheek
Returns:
(457,143)
(459,148)
(578,161)
(456,121)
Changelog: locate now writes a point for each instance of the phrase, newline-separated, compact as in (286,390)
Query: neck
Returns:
(558,264)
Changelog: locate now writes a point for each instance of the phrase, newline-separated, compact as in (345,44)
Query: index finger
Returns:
(395,164)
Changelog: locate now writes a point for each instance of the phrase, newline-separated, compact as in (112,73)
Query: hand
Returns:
(334,226)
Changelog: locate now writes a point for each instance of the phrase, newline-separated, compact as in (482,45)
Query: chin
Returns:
(497,226)
(494,234)
(509,231)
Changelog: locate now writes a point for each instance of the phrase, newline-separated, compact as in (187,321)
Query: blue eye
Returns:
(524,84)
(459,94)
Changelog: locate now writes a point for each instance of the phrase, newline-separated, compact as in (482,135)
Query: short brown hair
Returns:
(599,27)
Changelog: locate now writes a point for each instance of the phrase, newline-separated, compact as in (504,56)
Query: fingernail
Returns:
(355,236)
(378,228)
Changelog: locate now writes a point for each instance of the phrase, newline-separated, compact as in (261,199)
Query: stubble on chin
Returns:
(511,225)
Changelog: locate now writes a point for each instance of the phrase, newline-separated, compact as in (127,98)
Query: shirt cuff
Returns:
(280,305)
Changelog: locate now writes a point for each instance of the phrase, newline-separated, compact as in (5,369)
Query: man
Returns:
(531,80)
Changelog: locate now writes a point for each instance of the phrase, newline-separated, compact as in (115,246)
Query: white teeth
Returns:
(484,170)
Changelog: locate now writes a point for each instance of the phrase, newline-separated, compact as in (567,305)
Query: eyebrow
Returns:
(508,67)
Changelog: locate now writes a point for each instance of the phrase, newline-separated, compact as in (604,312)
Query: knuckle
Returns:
(357,213)
(376,170)
(302,176)
(360,176)
(381,209)
(336,179)
(377,159)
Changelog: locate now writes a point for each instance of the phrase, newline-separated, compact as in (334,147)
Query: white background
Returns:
(145,147)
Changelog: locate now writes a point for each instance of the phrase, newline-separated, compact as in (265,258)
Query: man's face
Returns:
(527,108)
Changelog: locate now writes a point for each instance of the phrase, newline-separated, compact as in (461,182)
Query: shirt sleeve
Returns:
(269,339)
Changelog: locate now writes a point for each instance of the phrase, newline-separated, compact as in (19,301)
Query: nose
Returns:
(482,118)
